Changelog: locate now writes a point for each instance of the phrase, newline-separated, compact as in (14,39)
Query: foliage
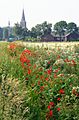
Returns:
(5,33)
(20,32)
(41,29)
(39,83)
(72,27)
(17,29)
(60,27)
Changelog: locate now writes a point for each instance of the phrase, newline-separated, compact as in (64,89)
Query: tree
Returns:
(33,33)
(41,29)
(46,27)
(72,27)
(60,28)
(18,30)
(1,33)
(24,33)
(5,33)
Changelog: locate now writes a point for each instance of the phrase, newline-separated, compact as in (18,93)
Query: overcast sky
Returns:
(38,11)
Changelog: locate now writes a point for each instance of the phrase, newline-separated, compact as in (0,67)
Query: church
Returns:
(23,21)
(7,32)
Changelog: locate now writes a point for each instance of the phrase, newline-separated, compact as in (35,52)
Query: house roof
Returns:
(71,33)
(48,37)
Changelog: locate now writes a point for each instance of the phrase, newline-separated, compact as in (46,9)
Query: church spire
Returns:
(9,23)
(23,21)
(23,15)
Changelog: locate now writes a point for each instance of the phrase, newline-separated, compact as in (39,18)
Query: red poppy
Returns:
(47,79)
(55,76)
(41,88)
(34,66)
(49,71)
(58,99)
(48,62)
(77,94)
(49,107)
(23,59)
(66,60)
(58,109)
(29,71)
(38,82)
(61,75)
(28,64)
(73,62)
(26,79)
(12,46)
(57,70)
(27,51)
(41,77)
(51,103)
(61,91)
(51,113)
(58,56)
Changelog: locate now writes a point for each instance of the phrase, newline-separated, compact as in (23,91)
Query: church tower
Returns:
(23,21)
(9,28)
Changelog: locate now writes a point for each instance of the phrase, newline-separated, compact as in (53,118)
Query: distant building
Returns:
(9,29)
(72,36)
(23,21)
(1,33)
(48,38)
(7,32)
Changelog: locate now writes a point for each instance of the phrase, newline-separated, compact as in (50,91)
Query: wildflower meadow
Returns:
(39,82)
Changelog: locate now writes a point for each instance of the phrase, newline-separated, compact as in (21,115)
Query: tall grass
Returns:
(39,82)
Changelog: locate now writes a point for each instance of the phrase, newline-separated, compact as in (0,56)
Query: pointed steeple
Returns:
(23,15)
(23,21)
(9,23)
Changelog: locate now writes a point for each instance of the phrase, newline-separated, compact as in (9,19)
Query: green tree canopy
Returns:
(71,27)
(17,29)
(20,32)
(41,29)
(60,27)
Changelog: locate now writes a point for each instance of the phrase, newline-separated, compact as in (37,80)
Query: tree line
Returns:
(61,28)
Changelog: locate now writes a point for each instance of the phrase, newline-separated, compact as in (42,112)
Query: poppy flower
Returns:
(51,113)
(61,91)
(51,103)
(58,109)
(58,99)
(29,71)
(49,107)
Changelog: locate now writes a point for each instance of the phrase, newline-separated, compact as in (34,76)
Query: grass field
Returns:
(50,44)
(39,81)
